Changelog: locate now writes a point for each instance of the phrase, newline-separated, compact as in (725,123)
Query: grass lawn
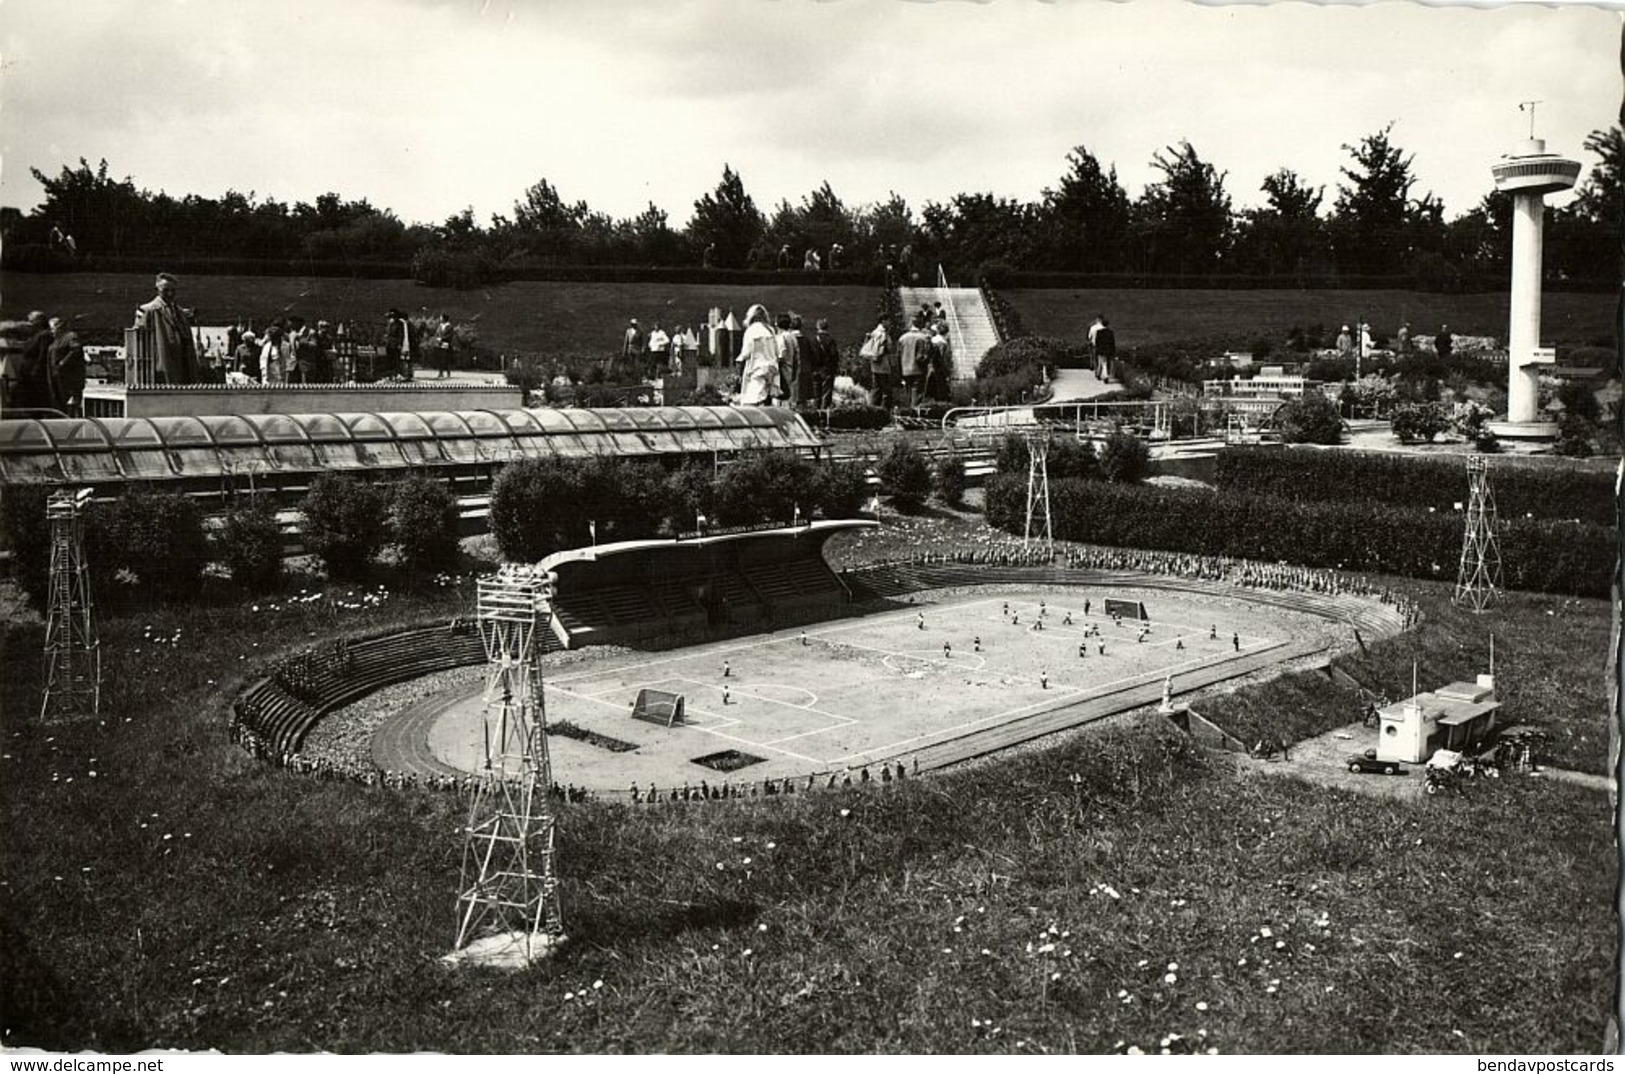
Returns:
(588,318)
(1108,890)
(1142,317)
(552,319)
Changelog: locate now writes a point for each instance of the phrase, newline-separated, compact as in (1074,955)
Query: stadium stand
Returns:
(637,590)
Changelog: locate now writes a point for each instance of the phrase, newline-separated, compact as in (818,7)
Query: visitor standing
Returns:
(67,373)
(445,346)
(914,358)
(274,356)
(1403,340)
(1345,343)
(400,345)
(942,353)
(877,348)
(659,351)
(793,360)
(31,384)
(632,347)
(247,355)
(176,349)
(758,359)
(1094,330)
(826,362)
(1444,344)
(1106,349)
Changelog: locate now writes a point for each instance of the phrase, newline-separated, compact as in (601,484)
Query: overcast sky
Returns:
(428,106)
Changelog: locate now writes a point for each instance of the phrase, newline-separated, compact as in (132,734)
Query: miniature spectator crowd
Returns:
(1240,572)
(342,768)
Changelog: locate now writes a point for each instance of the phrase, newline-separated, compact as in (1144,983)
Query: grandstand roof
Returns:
(822,529)
(67,450)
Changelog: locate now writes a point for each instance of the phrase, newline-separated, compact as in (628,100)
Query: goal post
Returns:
(658,706)
(1125,609)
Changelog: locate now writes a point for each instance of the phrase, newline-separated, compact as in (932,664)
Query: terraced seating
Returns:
(676,600)
(280,719)
(771,581)
(813,577)
(626,604)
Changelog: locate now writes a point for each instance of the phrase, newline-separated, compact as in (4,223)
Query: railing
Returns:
(956,330)
(1151,413)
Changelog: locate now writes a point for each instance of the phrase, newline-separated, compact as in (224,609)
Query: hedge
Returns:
(1575,558)
(1549,490)
(540,506)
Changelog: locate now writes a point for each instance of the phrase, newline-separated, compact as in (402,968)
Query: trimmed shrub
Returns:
(346,524)
(28,536)
(1574,558)
(158,537)
(1419,422)
(1067,458)
(250,544)
(1020,355)
(766,486)
(1125,458)
(1312,419)
(423,524)
(842,489)
(904,475)
(950,479)
(688,494)
(1543,488)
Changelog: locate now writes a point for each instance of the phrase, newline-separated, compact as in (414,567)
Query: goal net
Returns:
(1125,609)
(658,706)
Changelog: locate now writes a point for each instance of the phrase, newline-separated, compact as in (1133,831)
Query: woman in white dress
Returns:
(758,359)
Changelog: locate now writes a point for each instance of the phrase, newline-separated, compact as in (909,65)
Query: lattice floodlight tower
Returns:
(1037,439)
(73,658)
(1479,577)
(508,902)
(996,425)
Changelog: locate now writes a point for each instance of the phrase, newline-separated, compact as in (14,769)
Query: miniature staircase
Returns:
(970,325)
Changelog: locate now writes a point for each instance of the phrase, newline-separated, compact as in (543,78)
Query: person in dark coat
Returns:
(67,369)
(31,390)
(400,345)
(826,362)
(176,355)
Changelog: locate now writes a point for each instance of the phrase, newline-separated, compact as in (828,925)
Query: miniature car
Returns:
(1367,762)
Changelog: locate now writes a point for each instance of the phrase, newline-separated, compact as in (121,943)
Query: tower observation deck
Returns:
(1528,174)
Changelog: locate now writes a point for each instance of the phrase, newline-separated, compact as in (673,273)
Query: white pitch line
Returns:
(752,743)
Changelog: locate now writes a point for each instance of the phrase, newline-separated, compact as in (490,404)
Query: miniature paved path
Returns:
(1072,384)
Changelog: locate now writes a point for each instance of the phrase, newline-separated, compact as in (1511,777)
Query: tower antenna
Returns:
(1529,106)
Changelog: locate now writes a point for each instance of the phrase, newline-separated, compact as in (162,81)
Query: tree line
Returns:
(1375,224)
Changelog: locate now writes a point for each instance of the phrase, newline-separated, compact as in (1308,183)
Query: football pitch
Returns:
(840,696)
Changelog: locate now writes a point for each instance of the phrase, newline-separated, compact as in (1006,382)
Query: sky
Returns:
(430,106)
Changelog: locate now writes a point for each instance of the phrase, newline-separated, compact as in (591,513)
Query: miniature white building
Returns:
(1455,717)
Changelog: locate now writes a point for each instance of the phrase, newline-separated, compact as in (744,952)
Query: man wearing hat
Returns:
(176,350)
(400,345)
(632,346)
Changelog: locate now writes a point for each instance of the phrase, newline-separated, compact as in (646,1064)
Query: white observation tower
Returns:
(1528,174)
